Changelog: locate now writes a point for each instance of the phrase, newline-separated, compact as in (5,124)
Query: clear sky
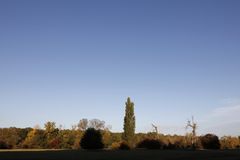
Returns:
(67,60)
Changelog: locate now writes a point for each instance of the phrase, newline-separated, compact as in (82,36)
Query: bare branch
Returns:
(155,128)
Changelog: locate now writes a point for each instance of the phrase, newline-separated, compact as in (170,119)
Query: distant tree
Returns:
(71,137)
(96,124)
(83,124)
(155,128)
(77,139)
(51,133)
(67,139)
(229,142)
(107,138)
(55,143)
(50,127)
(152,135)
(9,136)
(93,123)
(92,139)
(210,141)
(193,126)
(22,133)
(35,139)
(129,123)
(116,137)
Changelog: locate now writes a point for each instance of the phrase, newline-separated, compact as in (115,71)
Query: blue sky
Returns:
(67,60)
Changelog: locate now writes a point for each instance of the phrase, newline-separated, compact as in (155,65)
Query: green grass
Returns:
(119,155)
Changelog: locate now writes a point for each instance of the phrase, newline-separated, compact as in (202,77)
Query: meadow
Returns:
(138,154)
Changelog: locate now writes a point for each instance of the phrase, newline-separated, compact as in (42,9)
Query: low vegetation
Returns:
(94,134)
(151,144)
(35,138)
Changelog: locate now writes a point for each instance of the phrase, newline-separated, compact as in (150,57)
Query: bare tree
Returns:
(83,124)
(191,124)
(155,131)
(97,124)
(155,128)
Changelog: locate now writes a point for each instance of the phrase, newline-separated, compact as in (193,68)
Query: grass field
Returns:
(119,155)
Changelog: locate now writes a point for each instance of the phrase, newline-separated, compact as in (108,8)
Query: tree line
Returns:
(95,134)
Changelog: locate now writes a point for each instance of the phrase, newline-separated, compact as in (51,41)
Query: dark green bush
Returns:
(92,139)
(210,141)
(124,146)
(3,145)
(175,145)
(150,144)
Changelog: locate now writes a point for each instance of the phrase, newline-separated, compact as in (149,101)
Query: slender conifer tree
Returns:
(129,123)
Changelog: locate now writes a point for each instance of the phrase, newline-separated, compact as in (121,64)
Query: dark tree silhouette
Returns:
(210,141)
(92,139)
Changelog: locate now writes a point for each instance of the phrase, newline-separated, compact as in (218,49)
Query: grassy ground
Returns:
(119,155)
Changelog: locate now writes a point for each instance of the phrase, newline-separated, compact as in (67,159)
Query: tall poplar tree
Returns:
(129,122)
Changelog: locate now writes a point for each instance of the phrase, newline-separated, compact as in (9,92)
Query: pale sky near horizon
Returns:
(67,60)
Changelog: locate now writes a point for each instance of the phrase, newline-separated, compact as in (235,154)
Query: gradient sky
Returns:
(67,60)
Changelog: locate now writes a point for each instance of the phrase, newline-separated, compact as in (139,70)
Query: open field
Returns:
(120,155)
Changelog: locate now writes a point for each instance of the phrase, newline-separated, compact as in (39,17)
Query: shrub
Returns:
(92,139)
(175,145)
(120,146)
(55,143)
(3,145)
(115,145)
(150,144)
(210,141)
(228,142)
(124,146)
